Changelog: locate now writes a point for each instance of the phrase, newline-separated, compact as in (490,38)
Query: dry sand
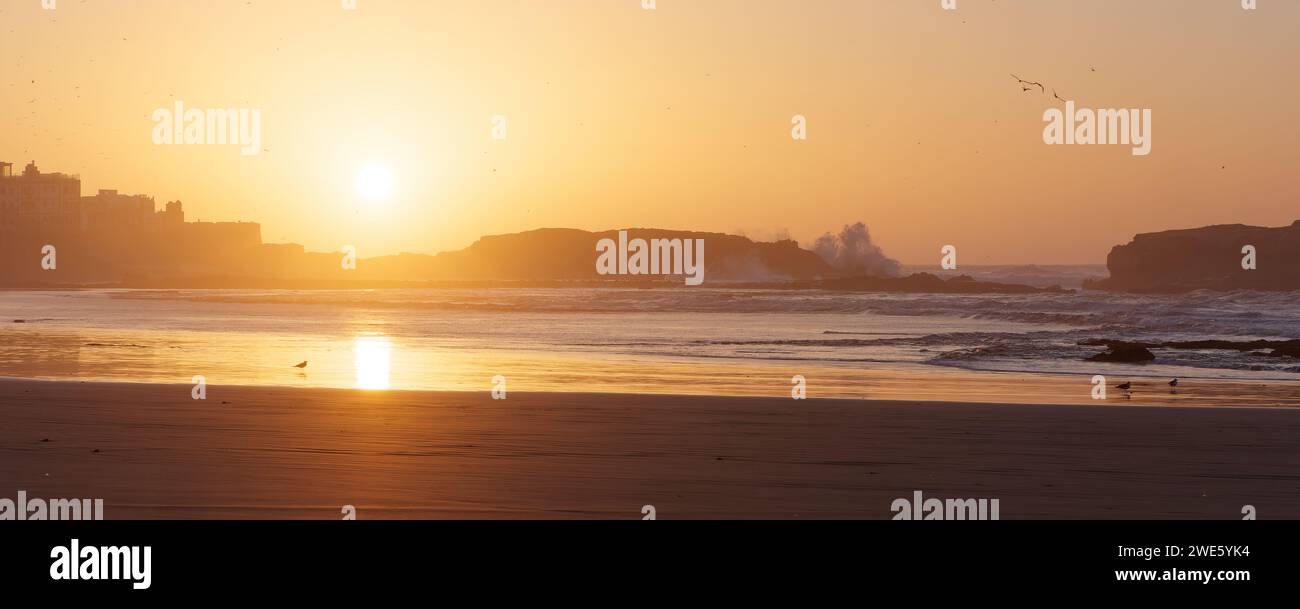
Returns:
(262,452)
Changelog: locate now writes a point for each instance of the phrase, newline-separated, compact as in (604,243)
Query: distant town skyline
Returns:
(375,132)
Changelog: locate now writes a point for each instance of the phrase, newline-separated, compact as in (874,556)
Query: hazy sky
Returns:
(678,117)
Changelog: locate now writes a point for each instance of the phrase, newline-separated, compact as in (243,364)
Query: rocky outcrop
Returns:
(563,254)
(1124,353)
(1121,350)
(552,257)
(1205,258)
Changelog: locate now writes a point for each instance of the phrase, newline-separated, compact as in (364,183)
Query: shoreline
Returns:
(542,343)
(267,452)
(1109,403)
(941,385)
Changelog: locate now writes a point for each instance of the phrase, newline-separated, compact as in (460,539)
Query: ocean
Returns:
(674,340)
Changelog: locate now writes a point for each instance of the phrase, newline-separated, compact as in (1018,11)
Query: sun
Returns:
(375,182)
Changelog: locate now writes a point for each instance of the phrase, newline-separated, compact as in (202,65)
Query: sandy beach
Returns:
(150,451)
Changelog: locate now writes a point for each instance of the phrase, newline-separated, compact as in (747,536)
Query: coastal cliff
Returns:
(564,254)
(1205,258)
(552,257)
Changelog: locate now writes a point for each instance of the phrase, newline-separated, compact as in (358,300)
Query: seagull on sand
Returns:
(302,365)
(1173,383)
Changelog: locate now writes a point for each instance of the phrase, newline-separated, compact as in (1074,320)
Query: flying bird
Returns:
(1125,386)
(302,365)
(1055,95)
(1030,82)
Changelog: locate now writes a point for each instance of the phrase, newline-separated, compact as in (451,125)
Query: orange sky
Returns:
(676,118)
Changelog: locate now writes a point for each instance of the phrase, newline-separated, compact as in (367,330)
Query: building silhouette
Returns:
(109,236)
(35,199)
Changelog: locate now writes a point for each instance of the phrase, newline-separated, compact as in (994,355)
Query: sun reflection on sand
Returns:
(371,360)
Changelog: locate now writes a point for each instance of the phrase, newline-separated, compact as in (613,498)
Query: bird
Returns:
(1125,386)
(302,365)
(1030,82)
(1173,383)
(1024,88)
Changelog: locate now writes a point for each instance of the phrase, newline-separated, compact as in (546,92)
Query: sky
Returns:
(678,117)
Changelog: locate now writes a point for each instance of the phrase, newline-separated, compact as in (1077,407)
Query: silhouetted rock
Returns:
(1125,349)
(1124,353)
(1205,258)
(1289,349)
(167,258)
(565,254)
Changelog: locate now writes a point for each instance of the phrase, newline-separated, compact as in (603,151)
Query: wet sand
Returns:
(150,451)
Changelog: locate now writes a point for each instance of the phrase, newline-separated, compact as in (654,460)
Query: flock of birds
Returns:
(1127,387)
(1028,85)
